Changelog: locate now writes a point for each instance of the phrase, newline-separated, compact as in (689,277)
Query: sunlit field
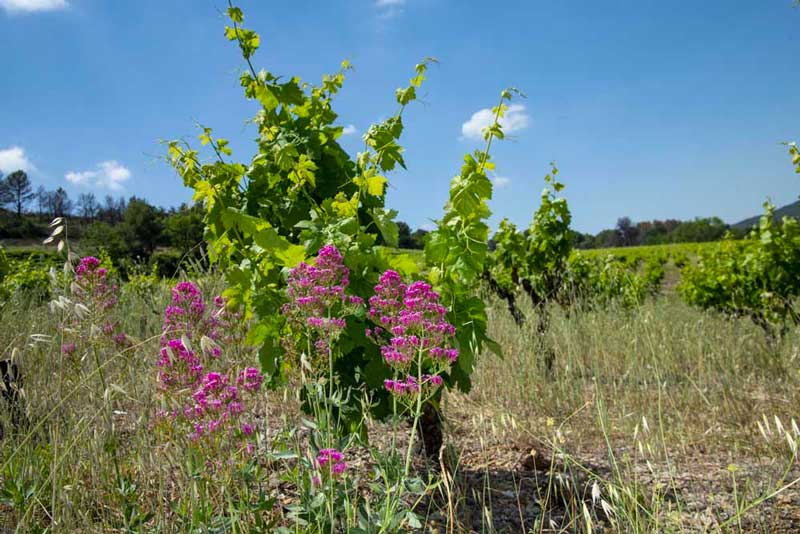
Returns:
(285,354)
(657,419)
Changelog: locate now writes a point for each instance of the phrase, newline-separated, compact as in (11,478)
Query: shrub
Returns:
(165,263)
(758,277)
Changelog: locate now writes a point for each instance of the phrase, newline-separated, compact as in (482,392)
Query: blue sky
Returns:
(651,109)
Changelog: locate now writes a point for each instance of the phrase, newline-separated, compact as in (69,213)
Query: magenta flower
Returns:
(91,285)
(186,316)
(210,399)
(410,385)
(92,289)
(178,365)
(318,301)
(250,379)
(331,462)
(414,321)
(87,265)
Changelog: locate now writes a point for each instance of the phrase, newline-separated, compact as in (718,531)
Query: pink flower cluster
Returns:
(178,365)
(186,316)
(331,462)
(91,284)
(412,331)
(411,385)
(317,300)
(93,289)
(210,402)
(229,328)
(250,379)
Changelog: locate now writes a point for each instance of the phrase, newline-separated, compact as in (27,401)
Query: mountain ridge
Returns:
(789,210)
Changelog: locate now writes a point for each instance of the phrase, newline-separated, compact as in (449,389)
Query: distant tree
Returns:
(100,235)
(60,203)
(626,231)
(580,240)
(607,239)
(5,194)
(185,227)
(87,204)
(120,207)
(142,227)
(108,209)
(19,185)
(699,230)
(403,235)
(41,199)
(408,239)
(656,234)
(418,238)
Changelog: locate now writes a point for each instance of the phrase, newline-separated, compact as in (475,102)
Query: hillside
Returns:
(789,210)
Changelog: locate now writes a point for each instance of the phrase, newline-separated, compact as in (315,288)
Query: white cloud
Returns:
(349,130)
(500,181)
(514,120)
(388,9)
(32,6)
(14,159)
(107,175)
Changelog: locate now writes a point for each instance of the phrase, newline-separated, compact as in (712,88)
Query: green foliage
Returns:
(144,228)
(301,190)
(184,229)
(141,228)
(103,236)
(604,281)
(13,227)
(541,262)
(536,261)
(794,151)
(5,266)
(165,263)
(456,251)
(758,277)
(549,241)
(26,280)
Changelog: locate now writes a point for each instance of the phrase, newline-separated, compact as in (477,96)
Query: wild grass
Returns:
(659,419)
(675,407)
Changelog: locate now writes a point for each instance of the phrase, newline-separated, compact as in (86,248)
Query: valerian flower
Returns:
(331,462)
(95,296)
(209,397)
(413,334)
(318,303)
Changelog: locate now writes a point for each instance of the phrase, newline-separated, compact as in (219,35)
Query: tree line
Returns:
(135,228)
(125,228)
(626,233)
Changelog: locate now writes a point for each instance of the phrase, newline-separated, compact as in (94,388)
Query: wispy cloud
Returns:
(14,159)
(388,9)
(107,175)
(515,119)
(349,130)
(500,181)
(32,6)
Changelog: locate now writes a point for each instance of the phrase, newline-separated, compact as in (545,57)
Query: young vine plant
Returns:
(301,191)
